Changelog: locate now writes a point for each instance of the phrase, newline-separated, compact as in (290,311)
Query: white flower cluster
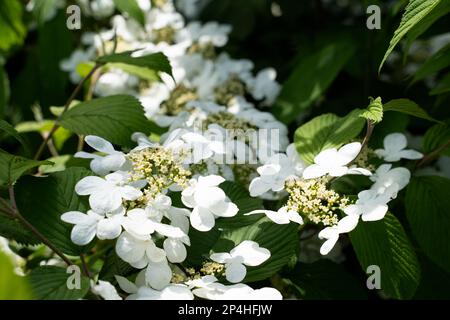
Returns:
(371,204)
(213,95)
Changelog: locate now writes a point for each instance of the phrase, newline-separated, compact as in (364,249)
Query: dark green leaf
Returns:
(427,202)
(436,62)
(415,12)
(280,240)
(51,283)
(114,266)
(9,130)
(14,230)
(155,62)
(13,167)
(43,200)
(408,107)
(325,279)
(114,118)
(384,243)
(311,78)
(435,137)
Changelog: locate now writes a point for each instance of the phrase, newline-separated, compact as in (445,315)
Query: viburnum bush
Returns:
(142,159)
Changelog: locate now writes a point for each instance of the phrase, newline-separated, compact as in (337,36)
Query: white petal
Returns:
(221,257)
(258,187)
(99,144)
(251,252)
(209,197)
(126,285)
(210,181)
(106,290)
(225,209)
(327,158)
(410,154)
(202,219)
(267,294)
(88,185)
(395,142)
(168,230)
(269,169)
(349,152)
(176,292)
(328,245)
(76,217)
(83,234)
(128,248)
(376,213)
(314,171)
(104,201)
(175,250)
(85,155)
(108,163)
(235,272)
(352,210)
(158,275)
(348,223)
(338,171)
(130,193)
(109,228)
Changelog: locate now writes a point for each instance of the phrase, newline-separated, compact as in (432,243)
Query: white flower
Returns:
(139,290)
(275,171)
(210,32)
(371,205)
(282,216)
(207,287)
(114,82)
(208,202)
(331,234)
(106,290)
(100,8)
(247,253)
(87,226)
(385,177)
(102,165)
(334,162)
(394,149)
(264,86)
(70,64)
(106,195)
(142,252)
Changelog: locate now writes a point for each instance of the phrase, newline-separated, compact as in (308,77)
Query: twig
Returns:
(16,214)
(433,155)
(369,131)
(85,266)
(66,107)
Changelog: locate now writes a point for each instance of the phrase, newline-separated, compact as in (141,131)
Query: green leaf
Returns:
(14,230)
(9,129)
(443,86)
(132,9)
(51,283)
(326,131)
(12,287)
(155,61)
(374,111)
(434,283)
(324,279)
(436,62)
(13,30)
(201,245)
(427,204)
(280,240)
(415,11)
(384,243)
(435,137)
(311,78)
(141,72)
(44,10)
(241,197)
(407,107)
(114,118)
(13,167)
(114,266)
(438,12)
(42,201)
(4,90)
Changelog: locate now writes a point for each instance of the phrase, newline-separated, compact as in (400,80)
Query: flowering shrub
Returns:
(177,171)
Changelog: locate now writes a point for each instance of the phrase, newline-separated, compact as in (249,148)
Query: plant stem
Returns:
(369,131)
(433,155)
(66,107)
(16,214)
(85,267)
